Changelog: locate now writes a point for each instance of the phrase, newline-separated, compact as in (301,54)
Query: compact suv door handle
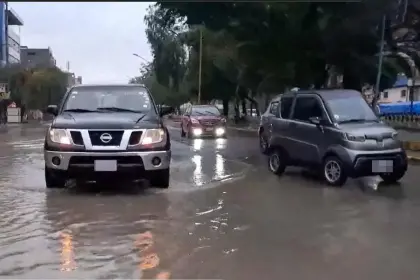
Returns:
(292,124)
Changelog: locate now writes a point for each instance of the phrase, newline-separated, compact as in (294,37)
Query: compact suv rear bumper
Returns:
(131,164)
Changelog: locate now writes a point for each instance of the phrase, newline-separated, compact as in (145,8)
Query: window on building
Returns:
(31,53)
(385,94)
(403,93)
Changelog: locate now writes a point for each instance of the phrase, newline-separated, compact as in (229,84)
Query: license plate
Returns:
(382,166)
(209,129)
(105,165)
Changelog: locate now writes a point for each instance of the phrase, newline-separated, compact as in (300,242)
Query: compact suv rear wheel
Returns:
(277,162)
(160,178)
(54,179)
(333,171)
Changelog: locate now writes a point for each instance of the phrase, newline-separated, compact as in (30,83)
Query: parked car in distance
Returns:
(203,120)
(104,131)
(333,131)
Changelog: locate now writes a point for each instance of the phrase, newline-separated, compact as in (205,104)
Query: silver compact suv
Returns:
(333,131)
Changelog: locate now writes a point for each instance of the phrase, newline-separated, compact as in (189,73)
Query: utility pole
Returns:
(200,65)
(6,28)
(381,57)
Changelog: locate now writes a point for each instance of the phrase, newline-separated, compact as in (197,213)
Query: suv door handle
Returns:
(292,124)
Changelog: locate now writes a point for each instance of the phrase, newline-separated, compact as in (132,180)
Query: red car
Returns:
(203,120)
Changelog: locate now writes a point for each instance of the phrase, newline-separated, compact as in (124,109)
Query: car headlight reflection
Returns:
(59,136)
(197,131)
(220,131)
(153,136)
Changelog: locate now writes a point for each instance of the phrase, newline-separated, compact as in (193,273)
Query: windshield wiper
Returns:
(118,109)
(79,110)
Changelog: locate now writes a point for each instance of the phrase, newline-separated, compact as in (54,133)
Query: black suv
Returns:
(103,131)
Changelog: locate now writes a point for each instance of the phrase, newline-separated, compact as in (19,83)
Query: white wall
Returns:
(395,95)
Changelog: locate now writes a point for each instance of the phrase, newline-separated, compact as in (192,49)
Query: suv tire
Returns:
(54,179)
(277,162)
(160,178)
(263,144)
(393,177)
(333,171)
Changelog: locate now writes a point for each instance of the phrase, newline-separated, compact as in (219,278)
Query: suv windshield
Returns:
(350,109)
(205,111)
(108,98)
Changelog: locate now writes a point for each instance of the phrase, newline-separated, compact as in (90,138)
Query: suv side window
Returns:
(286,107)
(306,107)
(273,107)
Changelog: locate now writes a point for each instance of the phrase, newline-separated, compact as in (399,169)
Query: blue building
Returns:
(9,35)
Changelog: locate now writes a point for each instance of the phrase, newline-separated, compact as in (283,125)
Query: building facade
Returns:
(400,91)
(32,58)
(9,35)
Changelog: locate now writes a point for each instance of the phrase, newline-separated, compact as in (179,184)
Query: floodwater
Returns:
(224,217)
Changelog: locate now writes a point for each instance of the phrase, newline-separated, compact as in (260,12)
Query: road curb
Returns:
(411,145)
(413,160)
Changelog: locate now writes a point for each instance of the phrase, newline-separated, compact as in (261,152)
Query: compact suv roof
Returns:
(108,85)
(326,93)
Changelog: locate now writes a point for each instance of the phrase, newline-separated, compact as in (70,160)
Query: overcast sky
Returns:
(97,38)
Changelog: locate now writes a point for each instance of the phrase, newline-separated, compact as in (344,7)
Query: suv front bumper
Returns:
(359,163)
(126,160)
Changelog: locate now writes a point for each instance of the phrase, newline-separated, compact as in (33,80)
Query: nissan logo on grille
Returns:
(105,138)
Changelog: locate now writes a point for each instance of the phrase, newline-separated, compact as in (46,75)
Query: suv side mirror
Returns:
(317,120)
(52,109)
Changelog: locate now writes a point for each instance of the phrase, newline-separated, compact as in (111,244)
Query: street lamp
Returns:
(139,56)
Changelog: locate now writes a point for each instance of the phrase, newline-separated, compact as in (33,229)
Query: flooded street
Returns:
(224,217)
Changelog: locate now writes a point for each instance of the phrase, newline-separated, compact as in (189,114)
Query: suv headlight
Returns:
(153,136)
(59,136)
(394,135)
(355,138)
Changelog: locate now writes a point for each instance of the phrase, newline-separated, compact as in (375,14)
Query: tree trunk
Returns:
(254,103)
(351,81)
(226,106)
(243,101)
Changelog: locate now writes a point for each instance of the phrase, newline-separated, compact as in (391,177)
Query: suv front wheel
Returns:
(333,171)
(54,179)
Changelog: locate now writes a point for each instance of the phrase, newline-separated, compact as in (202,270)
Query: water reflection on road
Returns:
(83,233)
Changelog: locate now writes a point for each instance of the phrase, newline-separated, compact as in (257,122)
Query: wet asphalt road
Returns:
(224,217)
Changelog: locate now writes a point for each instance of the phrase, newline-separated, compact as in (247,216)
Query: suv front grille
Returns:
(209,122)
(135,138)
(95,137)
(77,138)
